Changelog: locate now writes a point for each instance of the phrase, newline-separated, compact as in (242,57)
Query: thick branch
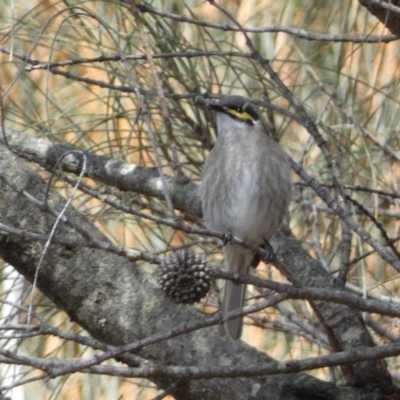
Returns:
(111,298)
(123,176)
(388,12)
(100,296)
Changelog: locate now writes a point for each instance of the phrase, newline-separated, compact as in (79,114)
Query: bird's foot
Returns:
(228,238)
(256,260)
(270,255)
(268,258)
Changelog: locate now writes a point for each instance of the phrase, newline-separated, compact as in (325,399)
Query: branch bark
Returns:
(388,12)
(114,301)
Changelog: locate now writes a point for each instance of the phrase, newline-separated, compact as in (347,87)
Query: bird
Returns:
(245,191)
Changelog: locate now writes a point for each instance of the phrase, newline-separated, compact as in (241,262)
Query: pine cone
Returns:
(184,277)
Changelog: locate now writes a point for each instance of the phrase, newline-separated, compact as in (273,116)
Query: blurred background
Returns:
(64,80)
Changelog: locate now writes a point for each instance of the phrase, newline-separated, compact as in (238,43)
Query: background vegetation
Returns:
(120,80)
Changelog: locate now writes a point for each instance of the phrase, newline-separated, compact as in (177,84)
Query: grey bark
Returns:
(115,302)
(389,16)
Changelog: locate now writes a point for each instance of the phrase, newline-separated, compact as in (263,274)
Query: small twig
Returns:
(51,235)
(344,215)
(300,33)
(163,106)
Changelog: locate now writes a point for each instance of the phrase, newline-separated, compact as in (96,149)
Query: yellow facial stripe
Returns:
(241,115)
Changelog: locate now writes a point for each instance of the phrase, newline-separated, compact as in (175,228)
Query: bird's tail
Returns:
(237,259)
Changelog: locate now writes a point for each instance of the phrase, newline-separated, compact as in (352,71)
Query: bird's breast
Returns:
(237,189)
(245,198)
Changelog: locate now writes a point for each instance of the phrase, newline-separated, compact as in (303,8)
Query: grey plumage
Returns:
(245,190)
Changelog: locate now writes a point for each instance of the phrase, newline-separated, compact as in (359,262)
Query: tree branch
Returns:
(111,298)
